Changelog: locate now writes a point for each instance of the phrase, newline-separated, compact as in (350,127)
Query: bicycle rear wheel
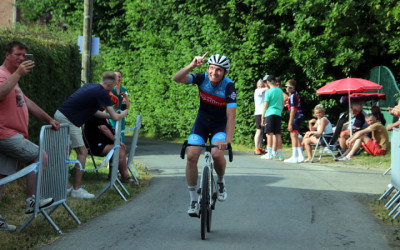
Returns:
(204,203)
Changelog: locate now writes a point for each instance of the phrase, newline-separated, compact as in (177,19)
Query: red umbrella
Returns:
(347,86)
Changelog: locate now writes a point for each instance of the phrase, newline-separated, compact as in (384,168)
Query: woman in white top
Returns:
(259,105)
(318,126)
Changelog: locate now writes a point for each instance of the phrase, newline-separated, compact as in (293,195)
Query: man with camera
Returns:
(78,108)
(14,118)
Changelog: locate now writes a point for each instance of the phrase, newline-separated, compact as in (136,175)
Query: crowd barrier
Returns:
(132,150)
(395,176)
(114,154)
(52,179)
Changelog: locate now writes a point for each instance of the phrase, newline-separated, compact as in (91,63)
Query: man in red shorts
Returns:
(378,144)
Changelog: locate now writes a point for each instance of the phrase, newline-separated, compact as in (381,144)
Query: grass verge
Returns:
(40,233)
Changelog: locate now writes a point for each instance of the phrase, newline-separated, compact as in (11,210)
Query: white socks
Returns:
(193,193)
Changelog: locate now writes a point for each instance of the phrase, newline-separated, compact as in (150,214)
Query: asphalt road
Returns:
(270,205)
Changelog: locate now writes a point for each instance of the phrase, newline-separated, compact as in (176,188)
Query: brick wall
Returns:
(6,13)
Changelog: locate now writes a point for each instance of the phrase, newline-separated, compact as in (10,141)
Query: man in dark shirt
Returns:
(100,138)
(358,122)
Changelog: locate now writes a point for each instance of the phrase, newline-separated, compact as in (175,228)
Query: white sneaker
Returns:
(267,156)
(6,227)
(300,159)
(30,204)
(194,209)
(222,194)
(81,193)
(291,160)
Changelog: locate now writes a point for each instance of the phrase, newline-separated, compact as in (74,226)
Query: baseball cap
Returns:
(265,77)
(271,78)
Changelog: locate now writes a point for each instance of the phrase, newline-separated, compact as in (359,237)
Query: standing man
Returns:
(15,109)
(272,113)
(259,105)
(216,116)
(77,109)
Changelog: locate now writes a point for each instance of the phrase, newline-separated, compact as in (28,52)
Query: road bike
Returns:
(208,187)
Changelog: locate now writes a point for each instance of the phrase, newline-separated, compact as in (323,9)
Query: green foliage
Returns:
(57,69)
(314,42)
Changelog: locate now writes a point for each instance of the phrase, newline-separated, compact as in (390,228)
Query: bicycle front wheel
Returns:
(204,203)
(212,204)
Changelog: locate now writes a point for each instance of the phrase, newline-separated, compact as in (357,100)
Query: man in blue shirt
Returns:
(216,116)
(77,109)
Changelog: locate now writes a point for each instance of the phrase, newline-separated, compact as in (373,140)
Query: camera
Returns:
(28,57)
(123,106)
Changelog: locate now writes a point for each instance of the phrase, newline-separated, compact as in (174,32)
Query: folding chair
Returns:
(328,142)
(52,180)
(90,151)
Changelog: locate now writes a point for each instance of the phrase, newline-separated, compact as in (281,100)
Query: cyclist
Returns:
(216,116)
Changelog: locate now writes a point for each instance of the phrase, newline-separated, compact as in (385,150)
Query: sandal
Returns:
(128,180)
(344,158)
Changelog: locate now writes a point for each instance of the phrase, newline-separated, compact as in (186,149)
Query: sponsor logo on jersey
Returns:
(212,99)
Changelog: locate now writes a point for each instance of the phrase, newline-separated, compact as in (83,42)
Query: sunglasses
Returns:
(289,87)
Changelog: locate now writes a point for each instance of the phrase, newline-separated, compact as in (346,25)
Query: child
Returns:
(295,119)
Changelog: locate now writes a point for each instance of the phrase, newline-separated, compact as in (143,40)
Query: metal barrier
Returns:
(395,178)
(52,180)
(132,151)
(114,153)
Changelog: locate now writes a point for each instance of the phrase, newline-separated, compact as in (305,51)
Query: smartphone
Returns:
(123,106)
(28,57)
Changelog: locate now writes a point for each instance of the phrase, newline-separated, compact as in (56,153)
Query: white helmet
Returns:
(219,60)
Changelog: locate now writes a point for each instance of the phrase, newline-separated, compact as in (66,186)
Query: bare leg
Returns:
(193,154)
(81,156)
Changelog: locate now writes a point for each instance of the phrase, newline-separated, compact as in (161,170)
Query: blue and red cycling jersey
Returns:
(211,118)
(214,100)
(294,102)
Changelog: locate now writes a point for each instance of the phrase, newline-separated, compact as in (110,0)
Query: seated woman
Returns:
(321,126)
(100,138)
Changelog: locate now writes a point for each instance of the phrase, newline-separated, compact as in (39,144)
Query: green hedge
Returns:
(56,74)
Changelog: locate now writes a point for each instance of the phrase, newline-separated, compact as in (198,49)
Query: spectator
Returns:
(100,138)
(295,119)
(14,118)
(272,113)
(319,126)
(376,111)
(123,101)
(393,125)
(259,94)
(377,145)
(78,108)
(285,103)
(357,123)
(395,111)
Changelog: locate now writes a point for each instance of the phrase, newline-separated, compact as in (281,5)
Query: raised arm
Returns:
(12,81)
(182,76)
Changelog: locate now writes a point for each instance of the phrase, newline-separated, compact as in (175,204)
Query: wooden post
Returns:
(87,40)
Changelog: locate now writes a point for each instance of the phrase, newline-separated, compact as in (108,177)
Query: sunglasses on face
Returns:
(289,87)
